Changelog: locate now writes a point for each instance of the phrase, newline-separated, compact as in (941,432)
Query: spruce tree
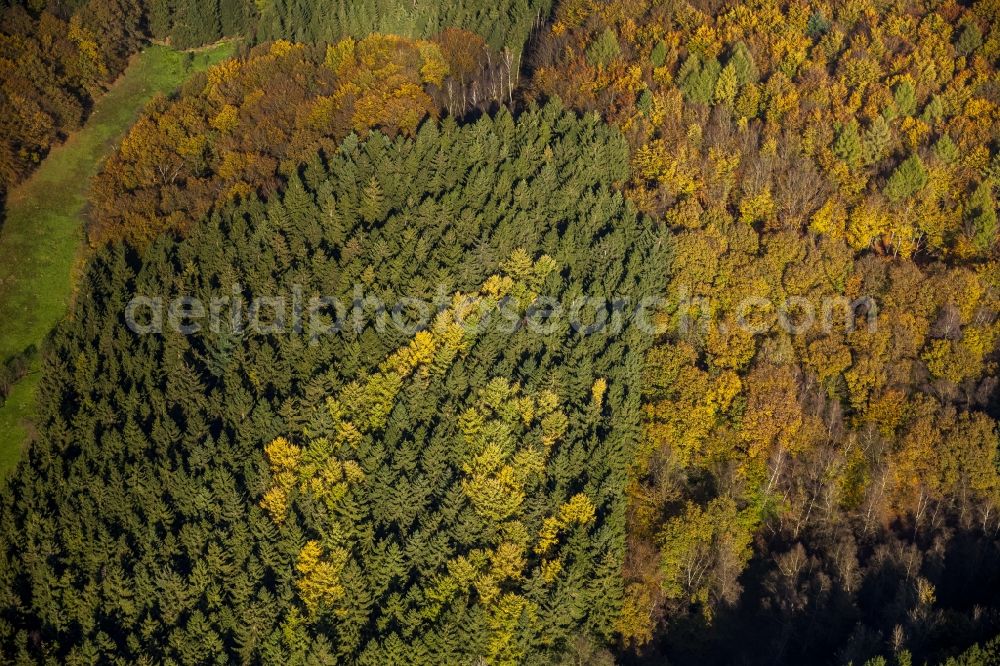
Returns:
(907,179)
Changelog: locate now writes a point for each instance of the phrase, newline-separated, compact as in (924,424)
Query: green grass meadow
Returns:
(41,242)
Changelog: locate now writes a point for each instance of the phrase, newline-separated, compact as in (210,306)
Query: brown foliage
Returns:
(237,129)
(51,67)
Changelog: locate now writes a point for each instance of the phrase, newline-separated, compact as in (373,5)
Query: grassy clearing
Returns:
(42,235)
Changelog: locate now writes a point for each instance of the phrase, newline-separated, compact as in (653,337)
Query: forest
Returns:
(583,332)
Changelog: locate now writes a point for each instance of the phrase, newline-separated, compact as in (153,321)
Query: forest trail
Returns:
(42,235)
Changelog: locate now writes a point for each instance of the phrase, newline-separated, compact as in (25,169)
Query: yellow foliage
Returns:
(748,101)
(757,207)
(553,428)
(887,411)
(867,223)
(579,511)
(550,569)
(282,47)
(864,377)
(283,455)
(727,387)
(548,535)
(954,361)
(226,119)
(829,357)
(507,562)
(319,579)
(192,146)
(238,190)
(976,159)
(323,110)
(503,621)
(830,219)
(915,130)
(420,351)
(731,345)
(597,392)
(980,340)
(635,622)
(491,486)
(233,165)
(706,42)
(434,68)
(696,542)
(86,44)
(773,415)
(673,168)
(275,502)
(340,55)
